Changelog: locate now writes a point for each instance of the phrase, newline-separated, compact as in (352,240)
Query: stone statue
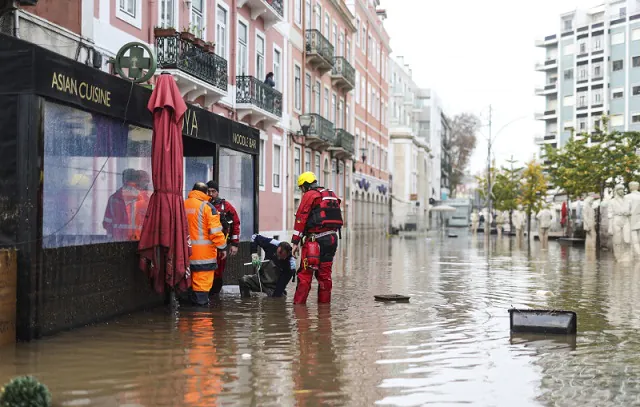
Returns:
(544,218)
(589,224)
(618,213)
(474,221)
(519,218)
(634,206)
(499,222)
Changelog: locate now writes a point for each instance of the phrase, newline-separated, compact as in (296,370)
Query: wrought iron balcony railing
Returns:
(253,91)
(342,67)
(176,53)
(345,140)
(318,44)
(322,128)
(277,5)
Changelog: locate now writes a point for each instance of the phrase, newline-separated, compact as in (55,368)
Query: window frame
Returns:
(277,142)
(277,76)
(297,87)
(245,23)
(174,12)
(203,16)
(134,20)
(260,75)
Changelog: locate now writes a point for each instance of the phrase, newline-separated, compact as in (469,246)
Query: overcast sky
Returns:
(476,53)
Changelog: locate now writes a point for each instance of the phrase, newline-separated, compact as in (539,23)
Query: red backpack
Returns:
(328,214)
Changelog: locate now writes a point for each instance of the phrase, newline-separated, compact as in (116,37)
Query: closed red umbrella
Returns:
(164,246)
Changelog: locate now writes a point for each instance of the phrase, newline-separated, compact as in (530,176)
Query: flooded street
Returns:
(449,345)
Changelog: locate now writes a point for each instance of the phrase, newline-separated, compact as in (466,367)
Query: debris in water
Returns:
(392,298)
(543,321)
(246,356)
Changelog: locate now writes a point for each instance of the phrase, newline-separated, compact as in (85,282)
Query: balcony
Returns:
(548,89)
(319,52)
(547,115)
(257,102)
(271,11)
(343,75)
(549,64)
(546,41)
(321,134)
(344,148)
(197,72)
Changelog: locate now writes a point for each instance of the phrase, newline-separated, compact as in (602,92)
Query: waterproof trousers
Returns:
(218,280)
(201,283)
(328,246)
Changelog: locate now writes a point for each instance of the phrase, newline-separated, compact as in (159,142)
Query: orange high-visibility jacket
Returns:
(124,215)
(205,231)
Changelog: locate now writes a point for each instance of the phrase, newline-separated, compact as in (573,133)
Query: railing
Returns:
(277,6)
(550,136)
(176,53)
(343,68)
(550,61)
(318,44)
(550,86)
(322,128)
(549,112)
(550,37)
(255,92)
(345,141)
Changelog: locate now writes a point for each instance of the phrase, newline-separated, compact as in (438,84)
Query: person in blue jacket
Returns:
(274,274)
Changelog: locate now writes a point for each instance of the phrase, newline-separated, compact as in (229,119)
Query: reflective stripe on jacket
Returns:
(205,232)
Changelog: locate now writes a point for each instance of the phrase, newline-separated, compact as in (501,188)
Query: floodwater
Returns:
(450,345)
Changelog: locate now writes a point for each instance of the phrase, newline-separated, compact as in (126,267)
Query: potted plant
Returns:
(164,31)
(187,35)
(210,47)
(199,42)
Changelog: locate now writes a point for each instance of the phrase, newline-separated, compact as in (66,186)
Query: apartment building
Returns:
(591,68)
(371,104)
(410,151)
(321,81)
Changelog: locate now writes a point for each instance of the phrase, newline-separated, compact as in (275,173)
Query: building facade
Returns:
(409,150)
(591,69)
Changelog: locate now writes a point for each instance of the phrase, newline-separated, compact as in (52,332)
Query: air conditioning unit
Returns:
(27,2)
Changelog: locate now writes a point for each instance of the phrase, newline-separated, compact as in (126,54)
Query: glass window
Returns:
(196,18)
(97,178)
(129,7)
(340,175)
(277,57)
(276,165)
(326,104)
(333,108)
(307,15)
(317,97)
(263,167)
(236,185)
(358,31)
(196,169)
(221,32)
(327,20)
(327,174)
(335,39)
(167,13)
(317,165)
(260,74)
(297,87)
(318,17)
(334,175)
(307,93)
(297,164)
(243,49)
(307,161)
(298,11)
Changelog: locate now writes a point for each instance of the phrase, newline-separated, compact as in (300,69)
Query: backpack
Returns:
(328,213)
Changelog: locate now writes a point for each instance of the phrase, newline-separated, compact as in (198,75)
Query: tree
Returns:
(534,191)
(507,189)
(464,127)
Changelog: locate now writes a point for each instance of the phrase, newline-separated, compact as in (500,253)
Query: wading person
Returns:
(275,274)
(207,239)
(318,220)
(230,227)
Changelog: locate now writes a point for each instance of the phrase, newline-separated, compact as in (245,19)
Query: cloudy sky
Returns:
(476,53)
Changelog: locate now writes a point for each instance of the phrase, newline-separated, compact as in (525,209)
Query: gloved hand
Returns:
(255,260)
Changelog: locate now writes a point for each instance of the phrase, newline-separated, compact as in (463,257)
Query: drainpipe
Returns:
(150,38)
(16,22)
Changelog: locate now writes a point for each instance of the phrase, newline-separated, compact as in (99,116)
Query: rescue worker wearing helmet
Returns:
(205,232)
(318,220)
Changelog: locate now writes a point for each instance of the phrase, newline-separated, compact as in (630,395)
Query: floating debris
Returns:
(392,298)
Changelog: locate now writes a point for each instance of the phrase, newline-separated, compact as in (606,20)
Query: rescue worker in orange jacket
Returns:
(207,238)
(317,221)
(231,228)
(126,208)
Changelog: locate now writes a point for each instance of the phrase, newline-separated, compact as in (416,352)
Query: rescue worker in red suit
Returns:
(318,220)
(126,208)
(230,227)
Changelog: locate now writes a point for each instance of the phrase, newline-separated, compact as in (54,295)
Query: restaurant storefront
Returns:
(71,139)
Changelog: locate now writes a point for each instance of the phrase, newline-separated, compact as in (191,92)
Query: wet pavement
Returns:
(449,345)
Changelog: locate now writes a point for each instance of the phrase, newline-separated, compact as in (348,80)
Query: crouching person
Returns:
(275,274)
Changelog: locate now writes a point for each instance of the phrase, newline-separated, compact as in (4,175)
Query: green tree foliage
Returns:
(25,391)
(507,189)
(534,191)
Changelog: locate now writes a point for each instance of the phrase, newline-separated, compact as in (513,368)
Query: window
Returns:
(582,46)
(636,91)
(167,13)
(370,104)
(297,11)
(243,49)
(364,38)
(263,164)
(276,166)
(597,71)
(318,96)
(307,14)
(327,172)
(617,38)
(335,38)
(260,51)
(617,93)
(75,142)
(237,186)
(358,31)
(277,68)
(570,49)
(582,99)
(596,122)
(327,114)
(617,65)
(348,118)
(635,118)
(197,10)
(317,165)
(357,93)
(635,62)
(297,87)
(334,175)
(297,164)
(568,74)
(307,93)
(327,24)
(597,43)
(582,124)
(369,47)
(318,17)
(307,161)
(341,47)
(635,35)
(333,108)
(340,119)
(597,96)
(582,73)
(617,120)
(340,174)
(363,90)
(567,24)
(128,7)
(221,32)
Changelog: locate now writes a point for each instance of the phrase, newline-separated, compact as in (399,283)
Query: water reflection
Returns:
(450,345)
